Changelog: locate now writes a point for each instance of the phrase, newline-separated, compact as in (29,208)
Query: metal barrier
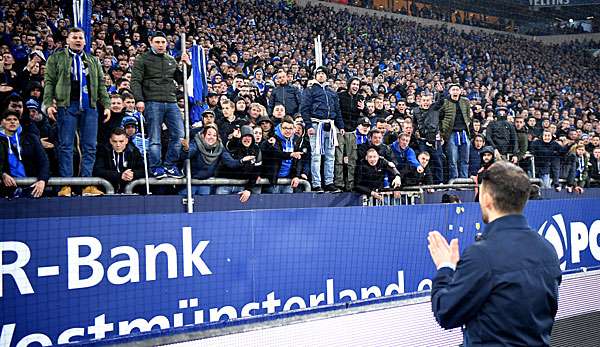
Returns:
(70,181)
(211,181)
(395,198)
(462,181)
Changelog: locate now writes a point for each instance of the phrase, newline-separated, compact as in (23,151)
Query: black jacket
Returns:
(413,178)
(249,170)
(501,135)
(273,155)
(107,161)
(504,289)
(33,156)
(289,96)
(427,122)
(595,170)
(349,109)
(369,178)
(546,154)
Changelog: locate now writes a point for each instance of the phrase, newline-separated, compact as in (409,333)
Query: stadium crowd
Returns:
(394,104)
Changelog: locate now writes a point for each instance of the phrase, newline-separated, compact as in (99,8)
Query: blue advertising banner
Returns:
(81,278)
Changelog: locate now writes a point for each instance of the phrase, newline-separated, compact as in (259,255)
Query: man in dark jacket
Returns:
(375,141)
(243,162)
(287,95)
(346,154)
(23,156)
(501,135)
(455,122)
(281,158)
(547,154)
(371,172)
(484,290)
(119,162)
(153,84)
(595,168)
(427,119)
(351,104)
(321,113)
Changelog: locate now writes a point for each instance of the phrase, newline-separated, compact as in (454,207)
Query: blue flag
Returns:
(82,18)
(199,88)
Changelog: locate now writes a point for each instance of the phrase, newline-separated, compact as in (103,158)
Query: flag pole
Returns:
(145,157)
(186,124)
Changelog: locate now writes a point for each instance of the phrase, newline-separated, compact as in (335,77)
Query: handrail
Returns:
(70,181)
(470,181)
(210,181)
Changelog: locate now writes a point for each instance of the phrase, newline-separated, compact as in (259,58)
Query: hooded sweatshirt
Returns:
(15,160)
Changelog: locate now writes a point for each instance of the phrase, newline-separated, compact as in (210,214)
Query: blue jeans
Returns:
(69,120)
(458,157)
(224,190)
(156,113)
(279,189)
(315,165)
(197,190)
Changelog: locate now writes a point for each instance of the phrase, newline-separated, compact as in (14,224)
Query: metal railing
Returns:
(469,181)
(70,181)
(210,181)
(395,198)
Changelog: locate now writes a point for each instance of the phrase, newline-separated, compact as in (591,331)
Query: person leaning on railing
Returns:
(205,152)
(371,172)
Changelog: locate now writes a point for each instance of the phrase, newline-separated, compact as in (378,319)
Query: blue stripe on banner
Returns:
(82,18)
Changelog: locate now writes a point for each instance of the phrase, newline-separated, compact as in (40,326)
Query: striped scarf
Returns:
(79,74)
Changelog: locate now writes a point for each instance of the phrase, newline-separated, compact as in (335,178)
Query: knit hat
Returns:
(32,104)
(322,69)
(247,131)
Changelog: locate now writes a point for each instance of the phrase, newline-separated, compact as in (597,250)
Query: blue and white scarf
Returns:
(360,138)
(78,73)
(287,145)
(15,161)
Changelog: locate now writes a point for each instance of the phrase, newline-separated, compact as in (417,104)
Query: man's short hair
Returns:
(508,185)
(117,96)
(8,113)
(229,102)
(118,131)
(75,30)
(374,131)
(403,135)
(287,119)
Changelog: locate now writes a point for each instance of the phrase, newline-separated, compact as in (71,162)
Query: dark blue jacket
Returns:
(404,159)
(289,96)
(474,160)
(504,289)
(321,103)
(546,155)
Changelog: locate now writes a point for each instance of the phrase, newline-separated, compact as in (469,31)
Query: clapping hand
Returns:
(441,252)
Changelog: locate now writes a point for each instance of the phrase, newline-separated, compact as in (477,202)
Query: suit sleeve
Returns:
(457,296)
